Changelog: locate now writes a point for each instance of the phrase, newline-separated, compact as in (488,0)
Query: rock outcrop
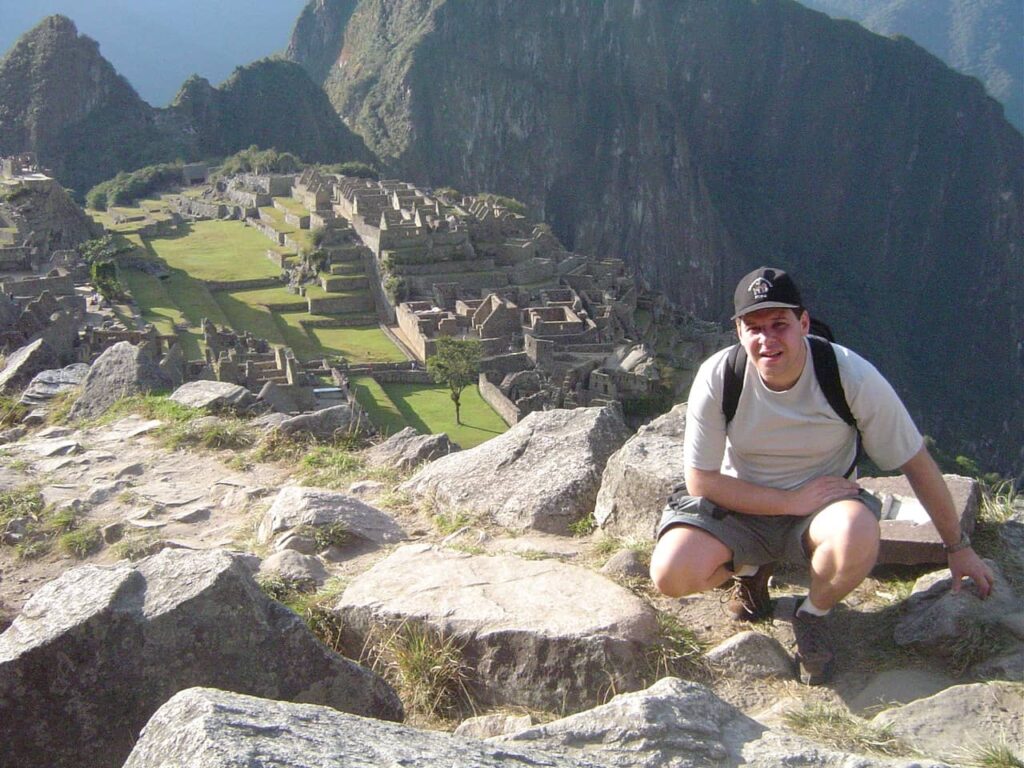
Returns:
(539,634)
(299,506)
(544,473)
(407,449)
(639,477)
(214,396)
(121,371)
(94,653)
(24,364)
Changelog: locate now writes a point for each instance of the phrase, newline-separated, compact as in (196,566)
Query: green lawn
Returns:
(264,296)
(429,410)
(217,250)
(158,308)
(256,319)
(292,205)
(378,406)
(193,298)
(367,344)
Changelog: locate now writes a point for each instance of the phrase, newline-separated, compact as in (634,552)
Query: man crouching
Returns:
(774,428)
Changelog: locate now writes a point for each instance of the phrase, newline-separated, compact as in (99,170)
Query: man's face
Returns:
(774,341)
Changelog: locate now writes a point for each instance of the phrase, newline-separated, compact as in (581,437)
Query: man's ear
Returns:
(805,322)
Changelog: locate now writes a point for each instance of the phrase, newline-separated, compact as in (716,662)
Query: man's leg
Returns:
(687,560)
(843,544)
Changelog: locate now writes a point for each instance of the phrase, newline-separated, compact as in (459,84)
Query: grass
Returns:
(448,523)
(135,545)
(429,409)
(326,536)
(82,542)
(585,526)
(999,754)
(41,525)
(424,665)
(11,411)
(218,251)
(151,406)
(677,652)
(836,727)
(26,501)
(330,467)
(254,318)
(224,434)
(378,406)
(358,344)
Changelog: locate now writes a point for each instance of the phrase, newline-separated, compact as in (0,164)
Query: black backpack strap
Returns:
(826,370)
(732,384)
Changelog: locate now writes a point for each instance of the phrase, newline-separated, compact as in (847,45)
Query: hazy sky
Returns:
(156,44)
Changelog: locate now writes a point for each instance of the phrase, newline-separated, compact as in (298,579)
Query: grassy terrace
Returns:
(429,410)
(216,250)
(292,205)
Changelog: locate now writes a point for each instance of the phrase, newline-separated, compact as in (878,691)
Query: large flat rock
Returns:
(24,363)
(121,371)
(639,477)
(215,729)
(908,535)
(535,633)
(296,506)
(95,652)
(544,473)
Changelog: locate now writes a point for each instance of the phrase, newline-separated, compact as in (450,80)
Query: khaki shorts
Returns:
(753,539)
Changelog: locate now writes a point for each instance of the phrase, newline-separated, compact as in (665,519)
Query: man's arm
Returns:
(748,498)
(930,489)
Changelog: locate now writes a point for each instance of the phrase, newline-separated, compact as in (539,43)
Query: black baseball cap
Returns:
(765,288)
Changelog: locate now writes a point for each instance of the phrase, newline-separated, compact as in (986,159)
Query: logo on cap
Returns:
(760,288)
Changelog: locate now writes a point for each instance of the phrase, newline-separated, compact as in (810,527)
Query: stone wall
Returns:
(57,285)
(502,405)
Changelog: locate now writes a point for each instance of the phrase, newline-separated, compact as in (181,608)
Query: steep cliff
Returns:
(61,99)
(699,138)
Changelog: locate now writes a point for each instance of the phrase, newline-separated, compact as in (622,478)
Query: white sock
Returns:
(808,607)
(746,570)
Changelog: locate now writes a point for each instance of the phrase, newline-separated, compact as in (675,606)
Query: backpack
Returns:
(826,370)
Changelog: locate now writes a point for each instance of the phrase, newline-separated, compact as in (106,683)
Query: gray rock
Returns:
(173,364)
(295,505)
(335,423)
(46,385)
(544,473)
(121,371)
(24,363)
(295,542)
(639,477)
(214,729)
(626,564)
(951,625)
(955,720)
(96,652)
(752,655)
(11,435)
(488,726)
(677,724)
(534,633)
(295,567)
(899,686)
(214,396)
(408,449)
(1006,666)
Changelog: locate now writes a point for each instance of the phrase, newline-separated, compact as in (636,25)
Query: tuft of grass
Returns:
(330,467)
(677,652)
(836,727)
(585,526)
(998,754)
(975,643)
(448,523)
(135,545)
(149,406)
(26,501)
(424,665)
(316,609)
(224,434)
(82,542)
(997,502)
(11,411)
(60,406)
(324,536)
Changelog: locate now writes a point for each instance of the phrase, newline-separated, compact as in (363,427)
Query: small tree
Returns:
(455,362)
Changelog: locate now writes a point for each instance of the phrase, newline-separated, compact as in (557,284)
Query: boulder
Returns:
(958,625)
(626,564)
(216,729)
(46,385)
(214,396)
(97,651)
(296,506)
(639,477)
(121,371)
(24,363)
(534,633)
(677,724)
(173,364)
(328,424)
(953,721)
(295,567)
(488,726)
(752,655)
(544,473)
(908,535)
(408,449)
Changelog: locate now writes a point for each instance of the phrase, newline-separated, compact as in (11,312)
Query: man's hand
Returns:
(966,563)
(819,493)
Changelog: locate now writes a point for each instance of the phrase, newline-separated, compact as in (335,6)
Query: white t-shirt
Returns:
(783,439)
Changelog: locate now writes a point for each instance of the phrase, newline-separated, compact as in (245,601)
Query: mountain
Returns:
(62,100)
(699,140)
(156,44)
(982,38)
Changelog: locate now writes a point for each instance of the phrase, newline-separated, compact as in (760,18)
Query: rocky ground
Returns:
(546,625)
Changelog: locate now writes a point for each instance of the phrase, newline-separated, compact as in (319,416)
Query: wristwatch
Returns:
(964,543)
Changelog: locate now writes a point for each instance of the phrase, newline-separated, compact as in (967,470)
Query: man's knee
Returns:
(686,560)
(847,528)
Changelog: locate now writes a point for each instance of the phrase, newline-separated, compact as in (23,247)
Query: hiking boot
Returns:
(814,652)
(748,596)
